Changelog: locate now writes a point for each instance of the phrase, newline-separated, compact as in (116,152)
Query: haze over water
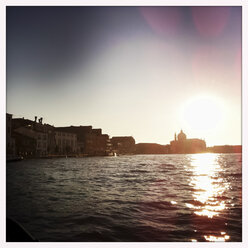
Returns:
(129,198)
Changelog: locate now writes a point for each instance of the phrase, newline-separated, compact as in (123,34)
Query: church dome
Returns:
(181,136)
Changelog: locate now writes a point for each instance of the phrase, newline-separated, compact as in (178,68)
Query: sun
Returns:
(202,113)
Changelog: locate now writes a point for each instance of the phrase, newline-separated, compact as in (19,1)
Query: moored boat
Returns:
(14,159)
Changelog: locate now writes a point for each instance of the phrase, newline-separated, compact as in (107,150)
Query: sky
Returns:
(145,72)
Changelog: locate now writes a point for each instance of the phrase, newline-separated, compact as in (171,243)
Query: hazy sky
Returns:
(142,71)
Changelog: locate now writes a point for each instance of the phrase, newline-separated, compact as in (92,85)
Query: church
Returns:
(181,144)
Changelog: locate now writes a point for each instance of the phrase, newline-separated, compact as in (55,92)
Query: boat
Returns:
(14,159)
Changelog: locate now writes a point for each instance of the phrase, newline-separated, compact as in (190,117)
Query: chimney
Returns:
(41,119)
(35,118)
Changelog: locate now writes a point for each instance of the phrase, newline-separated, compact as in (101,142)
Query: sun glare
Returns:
(206,186)
(202,113)
(208,191)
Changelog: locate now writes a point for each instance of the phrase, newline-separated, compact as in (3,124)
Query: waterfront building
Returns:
(91,142)
(21,122)
(225,149)
(28,133)
(151,148)
(123,144)
(65,142)
(26,146)
(39,130)
(10,141)
(181,144)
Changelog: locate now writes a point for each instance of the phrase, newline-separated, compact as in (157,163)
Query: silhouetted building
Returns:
(123,144)
(90,142)
(21,122)
(181,144)
(45,146)
(10,141)
(26,146)
(151,148)
(40,137)
(97,144)
(65,143)
(51,143)
(61,140)
(225,149)
(81,132)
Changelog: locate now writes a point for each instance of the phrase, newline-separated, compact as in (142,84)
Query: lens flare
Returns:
(163,20)
(210,21)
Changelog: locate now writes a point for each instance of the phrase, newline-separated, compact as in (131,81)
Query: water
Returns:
(169,198)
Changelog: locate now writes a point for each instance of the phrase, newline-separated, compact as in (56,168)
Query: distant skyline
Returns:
(145,72)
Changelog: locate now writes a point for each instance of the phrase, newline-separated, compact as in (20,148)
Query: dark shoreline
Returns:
(17,159)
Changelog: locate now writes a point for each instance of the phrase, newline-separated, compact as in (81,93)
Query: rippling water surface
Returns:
(175,198)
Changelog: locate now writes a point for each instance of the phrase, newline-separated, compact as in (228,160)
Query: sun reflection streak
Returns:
(208,189)
(214,238)
(207,186)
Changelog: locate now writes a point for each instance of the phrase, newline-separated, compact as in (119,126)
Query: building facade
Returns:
(123,144)
(151,148)
(65,143)
(181,144)
(28,134)
(10,141)
(26,146)
(90,142)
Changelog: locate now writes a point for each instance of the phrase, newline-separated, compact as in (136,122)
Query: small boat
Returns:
(14,159)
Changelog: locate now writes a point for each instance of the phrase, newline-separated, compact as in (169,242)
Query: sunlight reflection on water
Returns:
(208,189)
(154,198)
